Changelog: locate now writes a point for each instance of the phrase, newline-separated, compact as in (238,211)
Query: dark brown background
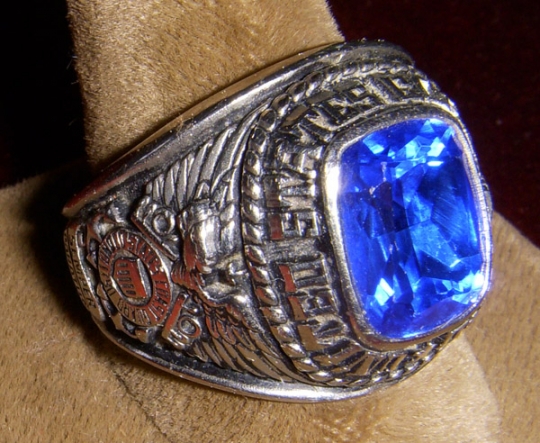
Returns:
(484,54)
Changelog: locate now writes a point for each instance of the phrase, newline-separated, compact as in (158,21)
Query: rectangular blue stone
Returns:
(410,228)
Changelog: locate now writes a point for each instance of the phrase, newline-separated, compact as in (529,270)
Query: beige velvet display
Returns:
(141,63)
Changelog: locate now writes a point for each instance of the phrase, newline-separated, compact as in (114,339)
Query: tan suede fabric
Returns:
(141,63)
(56,384)
(506,336)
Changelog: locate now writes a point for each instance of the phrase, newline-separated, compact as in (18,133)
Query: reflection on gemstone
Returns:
(410,228)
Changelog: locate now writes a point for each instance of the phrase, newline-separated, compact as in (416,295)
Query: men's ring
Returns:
(314,232)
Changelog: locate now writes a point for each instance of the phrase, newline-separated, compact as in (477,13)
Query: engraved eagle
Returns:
(191,214)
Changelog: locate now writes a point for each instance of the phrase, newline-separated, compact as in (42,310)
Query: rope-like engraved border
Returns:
(360,366)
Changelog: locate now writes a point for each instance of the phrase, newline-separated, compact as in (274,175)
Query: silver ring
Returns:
(315,232)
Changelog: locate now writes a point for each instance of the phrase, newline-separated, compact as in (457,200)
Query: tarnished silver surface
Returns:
(212,249)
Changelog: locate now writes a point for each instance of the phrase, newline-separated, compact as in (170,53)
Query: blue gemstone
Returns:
(410,228)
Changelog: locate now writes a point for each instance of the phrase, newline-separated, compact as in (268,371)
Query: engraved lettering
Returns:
(294,224)
(303,274)
(132,275)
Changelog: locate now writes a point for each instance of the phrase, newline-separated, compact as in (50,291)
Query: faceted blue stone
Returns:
(410,228)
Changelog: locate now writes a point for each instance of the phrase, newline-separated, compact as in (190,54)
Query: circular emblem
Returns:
(133,276)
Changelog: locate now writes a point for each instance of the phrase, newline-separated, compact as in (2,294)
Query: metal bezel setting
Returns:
(330,178)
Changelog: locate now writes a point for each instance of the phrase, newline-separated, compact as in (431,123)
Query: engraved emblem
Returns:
(134,278)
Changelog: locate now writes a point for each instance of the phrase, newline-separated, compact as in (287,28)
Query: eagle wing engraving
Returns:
(191,214)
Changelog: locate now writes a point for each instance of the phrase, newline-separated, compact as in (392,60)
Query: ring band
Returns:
(315,232)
